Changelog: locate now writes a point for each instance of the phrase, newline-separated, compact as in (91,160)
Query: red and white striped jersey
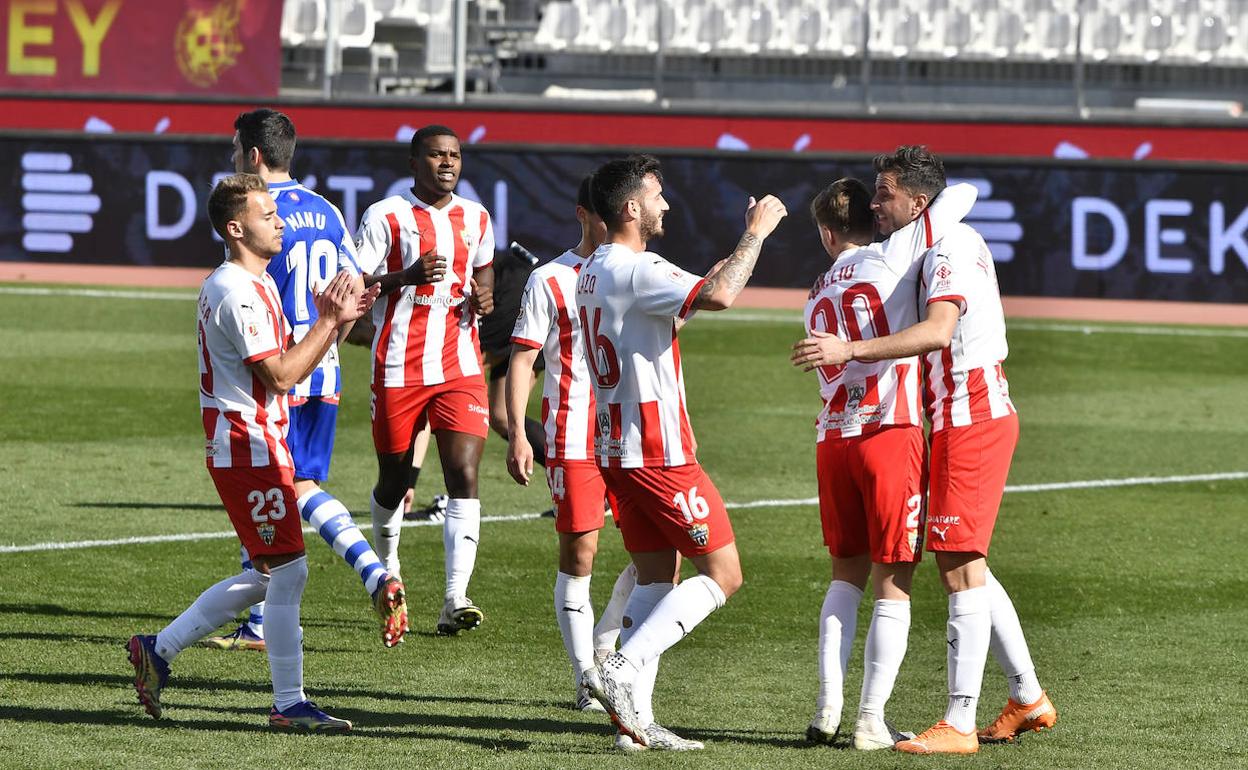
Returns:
(871,292)
(548,320)
(427,334)
(965,381)
(628,303)
(240,323)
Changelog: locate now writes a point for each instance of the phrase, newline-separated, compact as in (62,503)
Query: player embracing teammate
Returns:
(974,429)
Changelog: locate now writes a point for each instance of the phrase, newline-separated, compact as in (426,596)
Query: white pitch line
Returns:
(1175,331)
(1049,487)
(38,291)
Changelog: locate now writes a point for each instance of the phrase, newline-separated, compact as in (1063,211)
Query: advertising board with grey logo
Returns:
(1055,228)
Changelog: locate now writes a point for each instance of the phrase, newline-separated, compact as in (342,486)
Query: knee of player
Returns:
(729,581)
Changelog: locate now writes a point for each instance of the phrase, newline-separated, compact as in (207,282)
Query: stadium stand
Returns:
(961,51)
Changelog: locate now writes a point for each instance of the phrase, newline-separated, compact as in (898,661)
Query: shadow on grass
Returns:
(61,611)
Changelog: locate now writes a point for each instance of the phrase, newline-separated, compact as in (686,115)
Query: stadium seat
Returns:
(714,26)
(956,31)
(560,25)
(843,32)
(1156,35)
(805,27)
(1208,35)
(303,22)
(356,24)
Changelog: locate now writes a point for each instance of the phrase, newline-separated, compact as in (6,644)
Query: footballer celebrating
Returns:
(631,303)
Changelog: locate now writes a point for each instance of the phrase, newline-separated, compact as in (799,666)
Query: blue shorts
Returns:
(311,437)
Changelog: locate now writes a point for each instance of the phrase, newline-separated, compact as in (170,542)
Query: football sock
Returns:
(217,605)
(387,525)
(640,606)
(679,613)
(838,621)
(1009,646)
(969,629)
(608,628)
(334,524)
(575,614)
(285,639)
(460,535)
(536,434)
(255,615)
(885,649)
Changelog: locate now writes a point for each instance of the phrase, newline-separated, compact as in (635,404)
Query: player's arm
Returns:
(429,268)
(339,303)
(482,283)
(932,333)
(728,277)
(519,383)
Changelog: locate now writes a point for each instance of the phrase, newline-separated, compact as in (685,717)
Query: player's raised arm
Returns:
(339,303)
(949,208)
(725,281)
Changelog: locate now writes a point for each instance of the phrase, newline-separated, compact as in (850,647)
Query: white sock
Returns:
(1009,646)
(679,613)
(255,615)
(885,649)
(219,604)
(969,628)
(838,621)
(575,613)
(387,525)
(334,524)
(285,640)
(608,628)
(460,534)
(640,606)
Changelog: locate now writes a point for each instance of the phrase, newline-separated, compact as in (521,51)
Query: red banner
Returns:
(187,47)
(385,121)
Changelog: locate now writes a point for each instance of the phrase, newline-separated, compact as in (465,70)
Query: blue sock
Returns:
(333,522)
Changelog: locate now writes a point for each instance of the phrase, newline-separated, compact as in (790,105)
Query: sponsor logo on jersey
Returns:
(267,533)
(700,534)
(207,42)
(431,300)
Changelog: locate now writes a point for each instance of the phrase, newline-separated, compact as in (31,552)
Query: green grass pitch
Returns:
(1132,597)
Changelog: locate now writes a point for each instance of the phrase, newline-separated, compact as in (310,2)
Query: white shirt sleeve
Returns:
(246,322)
(952,271)
(372,242)
(485,248)
(536,314)
(662,288)
(347,255)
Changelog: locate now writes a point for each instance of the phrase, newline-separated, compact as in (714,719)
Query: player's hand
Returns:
(762,217)
(482,298)
(340,299)
(821,349)
(430,268)
(367,298)
(520,460)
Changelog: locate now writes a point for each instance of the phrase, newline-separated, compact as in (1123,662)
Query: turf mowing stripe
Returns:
(1050,487)
(1174,331)
(103,293)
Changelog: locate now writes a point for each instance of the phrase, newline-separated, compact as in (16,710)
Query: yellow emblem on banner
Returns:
(207,42)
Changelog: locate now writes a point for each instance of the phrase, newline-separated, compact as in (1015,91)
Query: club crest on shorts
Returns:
(700,534)
(266,532)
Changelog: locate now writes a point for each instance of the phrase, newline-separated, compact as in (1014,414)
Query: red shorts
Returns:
(399,413)
(871,494)
(969,467)
(662,508)
(261,504)
(578,492)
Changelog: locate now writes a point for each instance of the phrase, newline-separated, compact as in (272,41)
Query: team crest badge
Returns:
(700,534)
(467,238)
(266,532)
(207,42)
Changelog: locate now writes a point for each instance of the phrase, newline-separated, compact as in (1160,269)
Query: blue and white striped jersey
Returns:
(316,244)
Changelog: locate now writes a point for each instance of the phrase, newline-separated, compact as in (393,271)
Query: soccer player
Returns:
(426,354)
(548,324)
(245,373)
(870,449)
(630,303)
(315,245)
(974,428)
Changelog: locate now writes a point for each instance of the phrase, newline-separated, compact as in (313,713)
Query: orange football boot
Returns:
(1017,718)
(941,738)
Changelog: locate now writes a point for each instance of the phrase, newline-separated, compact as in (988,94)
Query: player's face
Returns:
(262,227)
(653,207)
(239,158)
(893,206)
(436,169)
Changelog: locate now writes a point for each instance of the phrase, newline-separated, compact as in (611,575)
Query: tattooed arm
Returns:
(728,277)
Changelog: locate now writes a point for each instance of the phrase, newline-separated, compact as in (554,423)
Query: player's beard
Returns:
(265,247)
(650,225)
